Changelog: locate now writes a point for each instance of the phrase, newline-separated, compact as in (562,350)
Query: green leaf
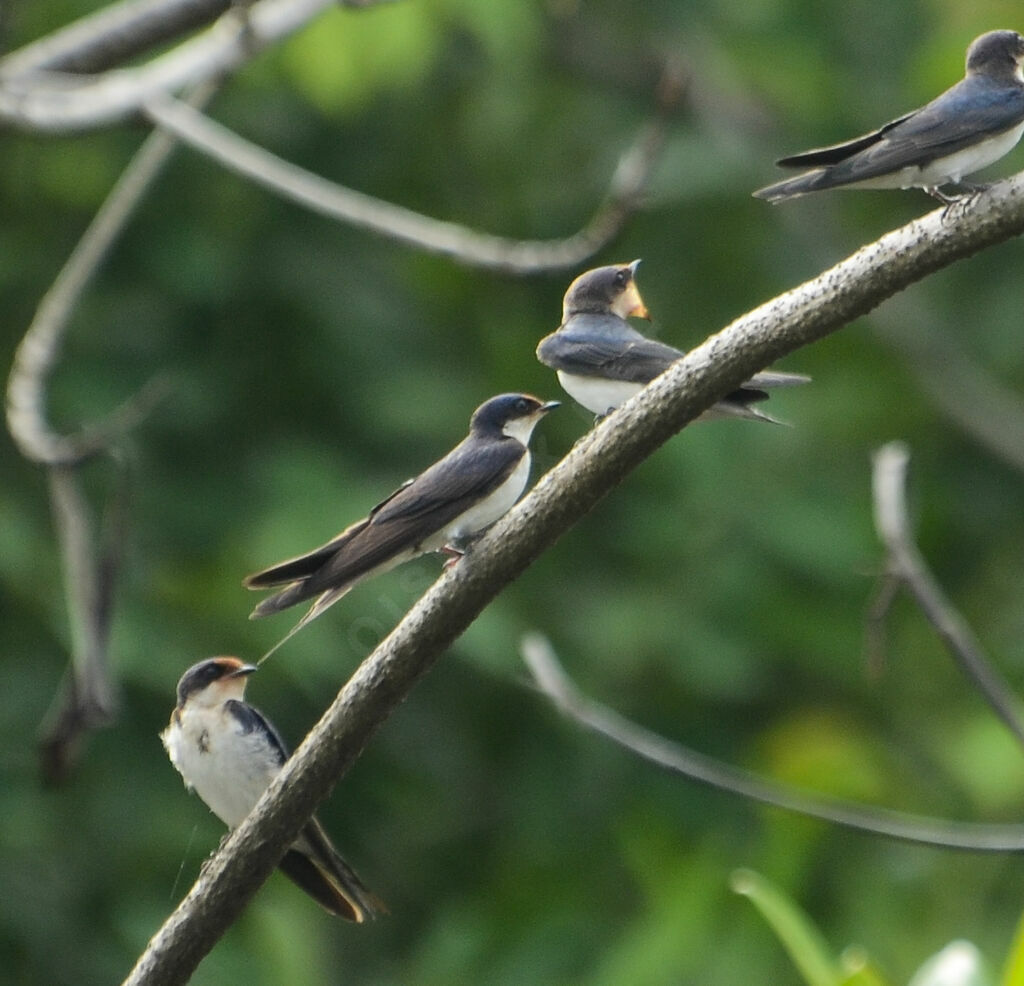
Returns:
(801,939)
(1013,974)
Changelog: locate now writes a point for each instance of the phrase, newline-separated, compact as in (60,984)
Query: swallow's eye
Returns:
(621,278)
(522,405)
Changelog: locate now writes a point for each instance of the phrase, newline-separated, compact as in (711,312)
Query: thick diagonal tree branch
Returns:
(598,462)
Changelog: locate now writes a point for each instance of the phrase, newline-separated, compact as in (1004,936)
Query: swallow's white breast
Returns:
(596,394)
(491,508)
(227,767)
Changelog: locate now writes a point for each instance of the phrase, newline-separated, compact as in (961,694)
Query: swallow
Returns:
(442,508)
(228,753)
(967,128)
(602,361)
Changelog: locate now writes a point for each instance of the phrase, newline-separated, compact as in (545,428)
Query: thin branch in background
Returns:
(118,32)
(111,35)
(464,245)
(64,103)
(555,684)
(599,461)
(982,408)
(875,619)
(905,563)
(37,354)
(87,697)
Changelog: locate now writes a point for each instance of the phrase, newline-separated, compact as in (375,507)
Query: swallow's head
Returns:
(605,290)
(997,53)
(214,681)
(511,415)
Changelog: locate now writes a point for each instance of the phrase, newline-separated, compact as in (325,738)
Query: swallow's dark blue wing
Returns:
(834,153)
(625,355)
(312,862)
(967,114)
(466,475)
(414,512)
(252,720)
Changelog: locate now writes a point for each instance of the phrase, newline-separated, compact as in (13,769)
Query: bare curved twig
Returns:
(62,103)
(598,461)
(87,698)
(460,243)
(111,35)
(555,684)
(904,563)
(39,349)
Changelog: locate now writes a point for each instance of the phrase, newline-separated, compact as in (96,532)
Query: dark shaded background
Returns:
(717,597)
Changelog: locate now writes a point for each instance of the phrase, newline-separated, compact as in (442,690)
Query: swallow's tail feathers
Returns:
(791,188)
(747,412)
(303,566)
(294,594)
(336,889)
(821,157)
(773,379)
(742,403)
(289,571)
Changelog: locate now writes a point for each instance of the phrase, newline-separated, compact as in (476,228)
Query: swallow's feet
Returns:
(955,204)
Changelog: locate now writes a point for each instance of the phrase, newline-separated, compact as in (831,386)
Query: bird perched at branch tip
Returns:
(602,361)
(228,753)
(967,128)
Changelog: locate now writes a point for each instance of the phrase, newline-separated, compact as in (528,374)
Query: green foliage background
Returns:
(718,596)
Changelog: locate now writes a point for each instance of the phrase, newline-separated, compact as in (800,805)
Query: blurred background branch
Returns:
(111,35)
(87,699)
(47,101)
(551,679)
(905,566)
(972,398)
(460,243)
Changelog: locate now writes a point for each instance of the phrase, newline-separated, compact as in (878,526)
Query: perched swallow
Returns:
(602,361)
(965,129)
(228,753)
(456,498)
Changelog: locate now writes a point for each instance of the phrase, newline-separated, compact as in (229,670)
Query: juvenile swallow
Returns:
(456,498)
(602,361)
(228,753)
(965,129)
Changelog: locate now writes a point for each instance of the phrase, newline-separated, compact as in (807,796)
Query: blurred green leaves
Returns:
(958,964)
